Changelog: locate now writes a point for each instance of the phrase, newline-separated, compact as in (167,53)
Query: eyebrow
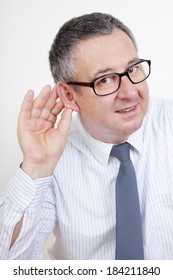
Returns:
(133,60)
(108,70)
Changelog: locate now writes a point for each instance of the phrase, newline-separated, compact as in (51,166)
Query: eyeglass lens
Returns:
(110,83)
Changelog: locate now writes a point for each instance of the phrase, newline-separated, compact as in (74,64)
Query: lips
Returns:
(127,109)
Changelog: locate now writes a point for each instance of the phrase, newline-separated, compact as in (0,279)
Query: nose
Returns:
(127,89)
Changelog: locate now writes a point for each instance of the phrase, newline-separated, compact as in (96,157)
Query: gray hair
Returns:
(61,55)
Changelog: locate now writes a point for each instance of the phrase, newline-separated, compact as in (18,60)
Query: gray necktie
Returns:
(129,242)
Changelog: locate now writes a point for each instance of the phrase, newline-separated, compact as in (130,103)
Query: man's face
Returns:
(114,117)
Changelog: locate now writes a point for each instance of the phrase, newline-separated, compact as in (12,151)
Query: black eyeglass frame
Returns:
(125,73)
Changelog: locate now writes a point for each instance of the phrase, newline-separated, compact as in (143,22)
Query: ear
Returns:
(65,93)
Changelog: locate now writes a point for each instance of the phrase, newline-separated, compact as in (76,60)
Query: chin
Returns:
(132,127)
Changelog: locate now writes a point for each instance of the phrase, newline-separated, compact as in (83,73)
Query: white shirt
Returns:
(80,196)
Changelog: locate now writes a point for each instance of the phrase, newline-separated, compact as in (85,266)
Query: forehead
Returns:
(112,52)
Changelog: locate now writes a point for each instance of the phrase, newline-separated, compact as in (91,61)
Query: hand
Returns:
(41,142)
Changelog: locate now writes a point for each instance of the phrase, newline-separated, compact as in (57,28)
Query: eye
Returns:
(106,80)
(103,80)
(134,69)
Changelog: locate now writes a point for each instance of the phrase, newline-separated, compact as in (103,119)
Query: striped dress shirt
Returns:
(79,198)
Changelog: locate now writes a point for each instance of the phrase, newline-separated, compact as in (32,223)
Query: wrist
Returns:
(37,171)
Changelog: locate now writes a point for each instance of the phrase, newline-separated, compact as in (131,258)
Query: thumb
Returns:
(65,121)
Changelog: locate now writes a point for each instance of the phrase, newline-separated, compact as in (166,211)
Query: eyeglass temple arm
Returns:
(80,84)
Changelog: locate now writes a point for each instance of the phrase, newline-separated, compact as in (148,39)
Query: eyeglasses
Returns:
(110,83)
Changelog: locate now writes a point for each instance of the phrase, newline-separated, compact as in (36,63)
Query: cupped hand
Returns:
(42,139)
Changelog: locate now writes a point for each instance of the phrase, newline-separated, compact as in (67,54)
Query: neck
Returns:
(103,134)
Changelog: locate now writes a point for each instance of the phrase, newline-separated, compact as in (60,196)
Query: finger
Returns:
(65,121)
(40,101)
(52,100)
(25,111)
(52,119)
(59,106)
(46,112)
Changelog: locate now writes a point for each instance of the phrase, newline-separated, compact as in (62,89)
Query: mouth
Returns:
(127,109)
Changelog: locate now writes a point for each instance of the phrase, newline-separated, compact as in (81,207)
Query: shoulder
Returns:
(160,104)
(158,121)
(160,111)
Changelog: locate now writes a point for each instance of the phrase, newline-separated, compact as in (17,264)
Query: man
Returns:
(68,174)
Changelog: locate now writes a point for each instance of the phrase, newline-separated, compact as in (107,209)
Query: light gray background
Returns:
(27,29)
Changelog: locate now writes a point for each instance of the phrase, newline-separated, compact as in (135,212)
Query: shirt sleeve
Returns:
(34,200)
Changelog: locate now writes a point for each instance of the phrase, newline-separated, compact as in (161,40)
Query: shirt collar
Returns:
(100,150)
(136,140)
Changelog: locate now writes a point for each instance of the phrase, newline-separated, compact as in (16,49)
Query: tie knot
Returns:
(121,152)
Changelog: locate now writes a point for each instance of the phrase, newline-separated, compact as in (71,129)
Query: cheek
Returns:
(96,109)
(146,100)
(91,105)
(143,91)
(93,111)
